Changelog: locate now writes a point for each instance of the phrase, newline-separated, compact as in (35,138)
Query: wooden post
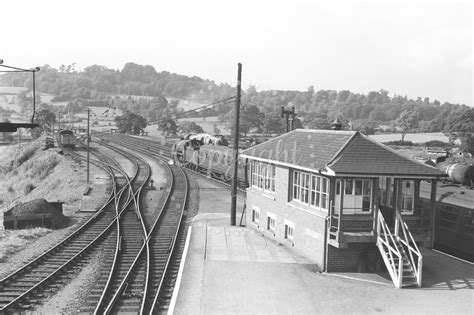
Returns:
(434,185)
(332,195)
(233,206)
(34,97)
(397,200)
(341,207)
(375,202)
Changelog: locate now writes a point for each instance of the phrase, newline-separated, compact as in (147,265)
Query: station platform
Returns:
(236,270)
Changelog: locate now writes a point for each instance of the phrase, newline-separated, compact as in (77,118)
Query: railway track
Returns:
(163,241)
(27,286)
(162,150)
(131,236)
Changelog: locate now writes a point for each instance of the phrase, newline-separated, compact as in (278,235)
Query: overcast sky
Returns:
(414,48)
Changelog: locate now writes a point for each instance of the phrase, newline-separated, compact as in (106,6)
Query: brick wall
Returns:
(309,223)
(358,257)
(349,224)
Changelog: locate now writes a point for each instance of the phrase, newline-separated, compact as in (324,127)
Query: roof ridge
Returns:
(342,148)
(380,144)
(327,131)
(271,140)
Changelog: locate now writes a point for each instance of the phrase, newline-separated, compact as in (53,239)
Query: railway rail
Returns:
(163,240)
(26,286)
(162,150)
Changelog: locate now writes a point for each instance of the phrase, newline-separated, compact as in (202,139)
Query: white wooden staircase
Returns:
(399,252)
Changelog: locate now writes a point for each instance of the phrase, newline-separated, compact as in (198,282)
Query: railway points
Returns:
(133,291)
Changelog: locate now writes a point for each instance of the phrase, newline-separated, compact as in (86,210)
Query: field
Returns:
(8,97)
(413,137)
(186,104)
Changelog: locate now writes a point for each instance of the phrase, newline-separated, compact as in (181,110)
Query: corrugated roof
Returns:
(344,152)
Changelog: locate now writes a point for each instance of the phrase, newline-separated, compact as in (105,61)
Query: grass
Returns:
(13,160)
(24,169)
(40,168)
(12,241)
(28,188)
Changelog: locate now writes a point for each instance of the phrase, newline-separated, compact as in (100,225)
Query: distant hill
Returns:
(160,94)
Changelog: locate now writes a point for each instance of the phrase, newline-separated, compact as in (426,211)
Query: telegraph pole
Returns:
(88,140)
(34,97)
(233,206)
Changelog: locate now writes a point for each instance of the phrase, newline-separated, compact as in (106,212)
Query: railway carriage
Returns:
(216,161)
(454,219)
(67,139)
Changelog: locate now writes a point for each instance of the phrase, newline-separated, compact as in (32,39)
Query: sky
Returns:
(417,48)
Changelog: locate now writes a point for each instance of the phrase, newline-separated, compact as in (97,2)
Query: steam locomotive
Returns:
(213,160)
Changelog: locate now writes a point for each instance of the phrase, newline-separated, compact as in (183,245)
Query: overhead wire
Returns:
(198,110)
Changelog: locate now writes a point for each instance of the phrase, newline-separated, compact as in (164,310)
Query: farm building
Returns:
(343,200)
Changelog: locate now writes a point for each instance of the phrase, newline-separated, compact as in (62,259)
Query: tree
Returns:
(460,125)
(250,118)
(364,126)
(168,127)
(273,124)
(317,121)
(467,144)
(408,121)
(130,123)
(189,127)
(45,119)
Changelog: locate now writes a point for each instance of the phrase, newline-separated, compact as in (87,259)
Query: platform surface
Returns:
(235,270)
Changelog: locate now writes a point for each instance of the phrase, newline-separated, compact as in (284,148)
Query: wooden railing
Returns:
(390,252)
(413,252)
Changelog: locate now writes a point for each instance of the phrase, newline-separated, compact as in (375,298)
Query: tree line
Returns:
(143,90)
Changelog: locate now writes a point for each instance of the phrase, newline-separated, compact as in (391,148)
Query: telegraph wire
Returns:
(198,110)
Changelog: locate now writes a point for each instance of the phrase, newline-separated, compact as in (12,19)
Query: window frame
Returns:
(310,189)
(256,218)
(262,176)
(271,218)
(289,226)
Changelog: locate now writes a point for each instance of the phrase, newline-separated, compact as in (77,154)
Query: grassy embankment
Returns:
(29,173)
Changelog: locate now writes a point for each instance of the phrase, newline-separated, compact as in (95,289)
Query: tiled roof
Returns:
(343,152)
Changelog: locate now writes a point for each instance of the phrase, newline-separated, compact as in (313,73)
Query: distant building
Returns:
(325,193)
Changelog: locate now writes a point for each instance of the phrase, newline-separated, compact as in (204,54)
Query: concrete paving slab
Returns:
(235,270)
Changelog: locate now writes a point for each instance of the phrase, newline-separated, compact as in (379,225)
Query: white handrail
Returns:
(408,240)
(384,241)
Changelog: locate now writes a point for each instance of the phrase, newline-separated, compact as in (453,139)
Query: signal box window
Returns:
(289,230)
(408,196)
(271,222)
(262,176)
(311,189)
(255,216)
(357,195)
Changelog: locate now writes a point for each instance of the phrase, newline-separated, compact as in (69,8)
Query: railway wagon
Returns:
(67,139)
(454,230)
(454,220)
(215,161)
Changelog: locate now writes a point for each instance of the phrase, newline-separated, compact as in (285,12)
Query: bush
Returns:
(400,143)
(29,188)
(10,189)
(40,168)
(435,143)
(24,155)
